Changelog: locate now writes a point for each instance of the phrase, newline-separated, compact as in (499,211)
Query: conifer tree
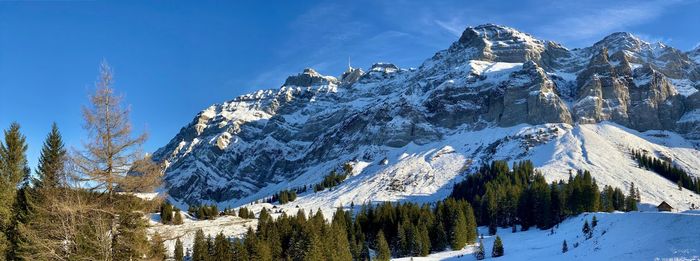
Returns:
(424,239)
(631,199)
(179,253)
(564,247)
(497,248)
(438,236)
(339,238)
(166,213)
(130,241)
(158,251)
(21,246)
(383,252)
(51,160)
(314,250)
(177,217)
(222,248)
(13,170)
(586,230)
(459,237)
(240,253)
(480,253)
(200,250)
(594,222)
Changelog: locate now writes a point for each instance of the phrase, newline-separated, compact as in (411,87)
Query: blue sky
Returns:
(172,59)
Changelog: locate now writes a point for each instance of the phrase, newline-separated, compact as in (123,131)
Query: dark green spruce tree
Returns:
(383,252)
(497,247)
(158,251)
(13,172)
(222,248)
(480,253)
(51,160)
(179,253)
(200,250)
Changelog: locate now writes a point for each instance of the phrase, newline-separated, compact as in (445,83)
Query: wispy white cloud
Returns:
(453,26)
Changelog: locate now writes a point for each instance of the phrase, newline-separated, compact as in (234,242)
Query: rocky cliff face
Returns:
(492,76)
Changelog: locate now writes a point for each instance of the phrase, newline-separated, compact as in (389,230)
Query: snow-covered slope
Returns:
(426,173)
(618,236)
(644,235)
(496,93)
(230,226)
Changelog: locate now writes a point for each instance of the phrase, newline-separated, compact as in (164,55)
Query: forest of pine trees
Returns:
(667,170)
(392,229)
(521,196)
(204,211)
(333,179)
(286,196)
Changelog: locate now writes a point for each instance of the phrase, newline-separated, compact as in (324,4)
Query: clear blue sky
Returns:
(172,59)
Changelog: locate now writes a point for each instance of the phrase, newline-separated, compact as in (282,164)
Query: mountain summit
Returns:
(495,93)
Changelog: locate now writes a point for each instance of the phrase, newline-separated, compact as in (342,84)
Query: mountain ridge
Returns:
(491,77)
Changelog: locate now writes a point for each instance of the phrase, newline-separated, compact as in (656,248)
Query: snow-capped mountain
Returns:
(496,93)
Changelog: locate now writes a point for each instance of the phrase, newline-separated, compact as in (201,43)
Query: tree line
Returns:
(204,211)
(391,229)
(334,178)
(667,170)
(505,198)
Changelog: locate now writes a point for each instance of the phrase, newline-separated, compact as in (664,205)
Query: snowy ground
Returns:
(426,173)
(618,236)
(231,226)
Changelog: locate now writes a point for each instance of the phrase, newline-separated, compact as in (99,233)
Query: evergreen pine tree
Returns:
(631,199)
(493,228)
(480,253)
(13,170)
(158,251)
(586,230)
(314,249)
(594,222)
(177,217)
(23,213)
(471,224)
(222,248)
(340,246)
(459,237)
(564,247)
(178,254)
(383,252)
(424,239)
(240,253)
(131,241)
(200,250)
(51,160)
(438,236)
(497,248)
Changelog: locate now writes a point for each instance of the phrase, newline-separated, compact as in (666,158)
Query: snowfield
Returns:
(426,173)
(618,236)
(230,226)
(647,235)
